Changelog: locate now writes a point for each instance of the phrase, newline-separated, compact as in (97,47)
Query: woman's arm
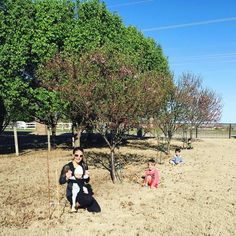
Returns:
(86,176)
(66,173)
(80,182)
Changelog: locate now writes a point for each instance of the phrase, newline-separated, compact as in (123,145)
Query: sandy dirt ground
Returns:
(196,198)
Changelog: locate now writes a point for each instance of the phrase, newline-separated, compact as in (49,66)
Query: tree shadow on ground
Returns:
(29,141)
(102,159)
(160,147)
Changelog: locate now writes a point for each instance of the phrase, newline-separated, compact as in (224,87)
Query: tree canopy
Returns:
(33,32)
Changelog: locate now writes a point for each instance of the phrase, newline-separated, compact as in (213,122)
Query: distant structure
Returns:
(41,129)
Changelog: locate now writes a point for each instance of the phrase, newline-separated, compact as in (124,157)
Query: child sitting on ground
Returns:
(176,159)
(189,144)
(152,176)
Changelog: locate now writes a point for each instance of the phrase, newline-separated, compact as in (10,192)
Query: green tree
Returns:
(47,108)
(97,27)
(94,27)
(31,32)
(147,55)
(3,117)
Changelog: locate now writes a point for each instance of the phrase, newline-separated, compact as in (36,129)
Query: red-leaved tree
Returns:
(105,91)
(202,105)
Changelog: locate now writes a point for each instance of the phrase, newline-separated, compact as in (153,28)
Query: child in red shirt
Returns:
(152,176)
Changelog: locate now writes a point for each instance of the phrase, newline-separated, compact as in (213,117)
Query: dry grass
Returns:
(197,198)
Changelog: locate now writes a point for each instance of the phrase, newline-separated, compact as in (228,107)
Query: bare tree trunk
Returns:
(168,146)
(2,116)
(169,138)
(230,129)
(191,132)
(113,170)
(54,129)
(77,136)
(139,132)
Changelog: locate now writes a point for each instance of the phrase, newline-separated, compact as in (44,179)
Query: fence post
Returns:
(230,127)
(16,139)
(49,141)
(196,132)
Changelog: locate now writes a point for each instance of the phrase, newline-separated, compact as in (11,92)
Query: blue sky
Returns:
(197,36)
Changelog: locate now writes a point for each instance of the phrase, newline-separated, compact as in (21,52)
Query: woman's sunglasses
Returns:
(77,155)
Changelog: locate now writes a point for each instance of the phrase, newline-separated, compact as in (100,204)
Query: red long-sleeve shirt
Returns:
(155,177)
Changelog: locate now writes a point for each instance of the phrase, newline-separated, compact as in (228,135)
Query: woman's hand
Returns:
(86,175)
(85,190)
(68,174)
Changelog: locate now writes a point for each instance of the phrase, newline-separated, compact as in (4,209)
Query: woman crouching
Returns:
(78,191)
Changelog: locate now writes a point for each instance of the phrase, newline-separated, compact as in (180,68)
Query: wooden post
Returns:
(48,176)
(73,135)
(196,132)
(16,139)
(48,173)
(49,141)
(230,128)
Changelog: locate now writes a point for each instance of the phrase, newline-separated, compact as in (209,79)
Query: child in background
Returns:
(152,176)
(177,159)
(189,144)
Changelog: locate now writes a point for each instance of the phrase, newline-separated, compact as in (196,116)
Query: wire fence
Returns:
(32,126)
(213,130)
(217,130)
(29,137)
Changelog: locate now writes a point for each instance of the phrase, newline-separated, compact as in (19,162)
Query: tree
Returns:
(58,76)
(188,104)
(13,40)
(2,6)
(33,32)
(3,116)
(202,104)
(172,114)
(47,108)
(118,96)
(146,53)
(30,32)
(107,91)
(94,27)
